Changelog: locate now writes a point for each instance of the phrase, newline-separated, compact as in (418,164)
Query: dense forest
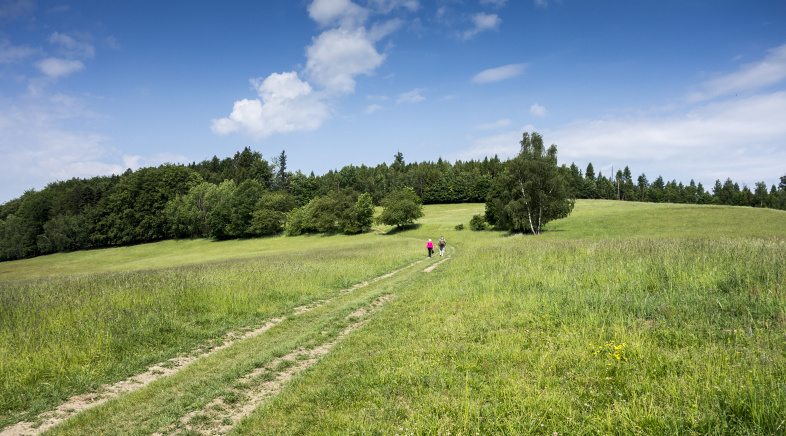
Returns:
(246,196)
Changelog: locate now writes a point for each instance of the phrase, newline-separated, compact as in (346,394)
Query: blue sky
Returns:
(681,89)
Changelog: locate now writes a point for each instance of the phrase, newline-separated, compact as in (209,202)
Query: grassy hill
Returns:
(623,318)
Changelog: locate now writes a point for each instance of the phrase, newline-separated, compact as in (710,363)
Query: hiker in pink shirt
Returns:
(430,246)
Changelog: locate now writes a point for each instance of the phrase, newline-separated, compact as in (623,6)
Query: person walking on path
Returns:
(430,246)
(442,243)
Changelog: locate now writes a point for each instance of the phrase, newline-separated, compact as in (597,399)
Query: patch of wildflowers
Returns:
(613,350)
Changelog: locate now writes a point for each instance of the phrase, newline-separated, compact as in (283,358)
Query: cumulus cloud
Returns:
(757,75)
(338,55)
(411,96)
(499,73)
(343,13)
(335,58)
(57,67)
(286,104)
(537,110)
(482,22)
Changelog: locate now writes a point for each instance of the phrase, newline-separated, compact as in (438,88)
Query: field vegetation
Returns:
(624,318)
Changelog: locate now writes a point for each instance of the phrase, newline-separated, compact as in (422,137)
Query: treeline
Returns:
(622,187)
(247,196)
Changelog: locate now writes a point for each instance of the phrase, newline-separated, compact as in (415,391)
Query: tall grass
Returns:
(166,254)
(566,334)
(622,319)
(61,336)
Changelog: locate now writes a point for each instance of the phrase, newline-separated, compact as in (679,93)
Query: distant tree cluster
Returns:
(622,187)
(246,196)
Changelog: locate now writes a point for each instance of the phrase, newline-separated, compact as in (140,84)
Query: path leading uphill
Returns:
(254,364)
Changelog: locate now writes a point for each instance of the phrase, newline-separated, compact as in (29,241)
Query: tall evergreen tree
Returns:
(282,177)
(590,172)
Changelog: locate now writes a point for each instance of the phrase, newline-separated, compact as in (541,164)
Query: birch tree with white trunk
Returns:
(532,191)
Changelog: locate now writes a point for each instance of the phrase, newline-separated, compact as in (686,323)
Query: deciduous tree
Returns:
(400,208)
(531,191)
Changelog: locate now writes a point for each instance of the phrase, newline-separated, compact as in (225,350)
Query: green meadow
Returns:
(624,318)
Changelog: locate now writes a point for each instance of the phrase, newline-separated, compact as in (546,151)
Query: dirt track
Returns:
(219,416)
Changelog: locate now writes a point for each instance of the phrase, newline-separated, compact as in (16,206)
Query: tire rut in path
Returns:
(80,403)
(220,415)
(433,266)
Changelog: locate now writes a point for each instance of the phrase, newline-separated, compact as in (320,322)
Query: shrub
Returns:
(478,222)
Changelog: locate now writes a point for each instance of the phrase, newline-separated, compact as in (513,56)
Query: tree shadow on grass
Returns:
(407,227)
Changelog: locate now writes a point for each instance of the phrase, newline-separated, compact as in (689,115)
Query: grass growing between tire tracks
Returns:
(68,335)
(161,406)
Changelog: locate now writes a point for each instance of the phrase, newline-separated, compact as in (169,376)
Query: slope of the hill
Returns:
(622,318)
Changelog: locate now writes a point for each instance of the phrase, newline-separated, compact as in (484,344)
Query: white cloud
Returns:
(712,142)
(411,96)
(50,152)
(741,139)
(499,73)
(287,104)
(338,55)
(10,53)
(344,13)
(373,108)
(279,87)
(69,62)
(56,67)
(537,110)
(751,76)
(334,59)
(495,125)
(381,30)
(483,22)
(71,48)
